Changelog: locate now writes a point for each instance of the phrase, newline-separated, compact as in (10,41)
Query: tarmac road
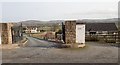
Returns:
(33,42)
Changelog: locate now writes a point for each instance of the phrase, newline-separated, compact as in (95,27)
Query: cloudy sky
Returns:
(20,10)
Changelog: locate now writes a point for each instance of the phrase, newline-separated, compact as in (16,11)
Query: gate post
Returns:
(6,33)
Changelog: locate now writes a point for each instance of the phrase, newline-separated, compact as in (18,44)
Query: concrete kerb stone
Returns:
(12,46)
(22,44)
(25,42)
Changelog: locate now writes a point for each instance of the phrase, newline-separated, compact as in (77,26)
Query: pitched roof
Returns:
(101,27)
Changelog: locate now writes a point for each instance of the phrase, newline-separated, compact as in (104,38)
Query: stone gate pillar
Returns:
(70,33)
(6,33)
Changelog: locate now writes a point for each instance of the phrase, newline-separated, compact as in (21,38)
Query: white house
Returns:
(80,34)
(34,30)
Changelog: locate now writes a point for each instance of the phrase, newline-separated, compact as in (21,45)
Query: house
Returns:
(33,30)
(101,32)
(37,29)
(101,28)
(30,29)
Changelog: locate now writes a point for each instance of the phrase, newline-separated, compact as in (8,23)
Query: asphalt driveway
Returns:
(39,51)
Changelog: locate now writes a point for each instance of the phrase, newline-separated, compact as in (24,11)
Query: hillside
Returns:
(37,22)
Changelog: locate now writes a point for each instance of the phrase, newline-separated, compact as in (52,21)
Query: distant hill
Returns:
(37,22)
(31,22)
(56,21)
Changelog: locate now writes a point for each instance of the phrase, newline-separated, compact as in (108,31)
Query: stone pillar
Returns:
(6,33)
(9,33)
(70,33)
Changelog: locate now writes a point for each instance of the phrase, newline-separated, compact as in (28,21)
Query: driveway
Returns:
(33,42)
(39,51)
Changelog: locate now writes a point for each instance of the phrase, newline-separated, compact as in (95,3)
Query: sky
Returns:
(44,10)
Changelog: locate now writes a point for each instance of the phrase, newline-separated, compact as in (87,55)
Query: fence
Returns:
(109,38)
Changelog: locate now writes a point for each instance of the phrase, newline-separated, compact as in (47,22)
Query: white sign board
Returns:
(80,33)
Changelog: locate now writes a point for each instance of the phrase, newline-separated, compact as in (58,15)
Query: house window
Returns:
(93,33)
(104,32)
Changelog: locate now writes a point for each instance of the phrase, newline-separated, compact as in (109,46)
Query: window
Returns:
(93,33)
